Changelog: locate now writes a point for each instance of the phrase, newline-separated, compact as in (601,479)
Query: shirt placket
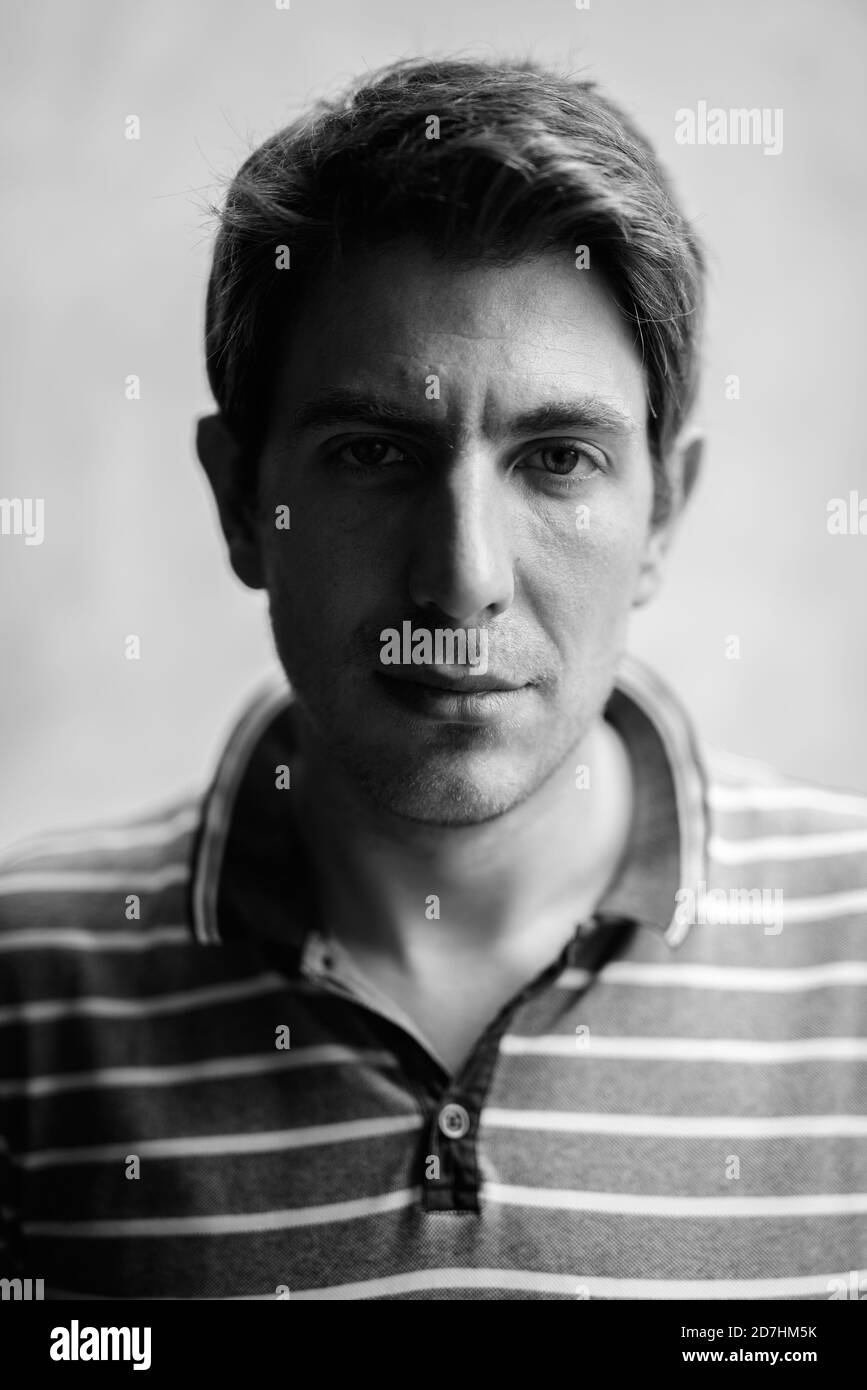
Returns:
(450,1173)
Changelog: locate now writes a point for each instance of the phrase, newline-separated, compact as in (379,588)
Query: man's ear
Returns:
(233,481)
(683,468)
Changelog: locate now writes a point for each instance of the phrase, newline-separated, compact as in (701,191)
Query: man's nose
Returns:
(462,558)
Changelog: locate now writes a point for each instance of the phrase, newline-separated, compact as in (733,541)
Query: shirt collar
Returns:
(251,876)
(668,845)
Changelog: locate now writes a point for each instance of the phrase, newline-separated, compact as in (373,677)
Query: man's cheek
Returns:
(591,582)
(295,572)
(319,612)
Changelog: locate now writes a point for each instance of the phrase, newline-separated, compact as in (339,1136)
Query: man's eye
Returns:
(567,460)
(369,452)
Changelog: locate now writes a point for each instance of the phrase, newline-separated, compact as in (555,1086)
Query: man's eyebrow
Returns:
(587,412)
(337,405)
(340,405)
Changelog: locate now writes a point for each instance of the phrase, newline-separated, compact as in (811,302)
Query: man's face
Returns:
(461,448)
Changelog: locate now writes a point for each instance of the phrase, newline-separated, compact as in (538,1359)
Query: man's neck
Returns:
(513,888)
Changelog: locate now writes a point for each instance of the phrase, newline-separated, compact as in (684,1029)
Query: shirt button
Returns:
(454,1121)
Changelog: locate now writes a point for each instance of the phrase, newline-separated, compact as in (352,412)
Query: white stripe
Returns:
(794,980)
(787,847)
(784,798)
(823,908)
(94,839)
(580,1285)
(95,1006)
(236,1223)
(51,938)
(630,1204)
(533,1281)
(678,1126)
(128,880)
(687,1049)
(576,979)
(217,1069)
(210,1145)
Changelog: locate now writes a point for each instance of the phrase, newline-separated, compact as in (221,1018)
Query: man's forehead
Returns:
(489,340)
(538,300)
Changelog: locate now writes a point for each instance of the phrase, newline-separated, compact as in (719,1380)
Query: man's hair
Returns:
(523,160)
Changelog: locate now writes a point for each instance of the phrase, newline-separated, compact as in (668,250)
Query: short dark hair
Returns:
(525,160)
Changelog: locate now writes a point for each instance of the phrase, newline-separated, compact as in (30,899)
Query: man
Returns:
(472,975)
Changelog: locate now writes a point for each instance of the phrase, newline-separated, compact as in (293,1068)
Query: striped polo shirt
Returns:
(200,1099)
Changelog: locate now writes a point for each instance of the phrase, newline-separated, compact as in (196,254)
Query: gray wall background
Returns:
(104,260)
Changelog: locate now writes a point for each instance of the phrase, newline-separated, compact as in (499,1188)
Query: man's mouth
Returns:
(452,697)
(446,678)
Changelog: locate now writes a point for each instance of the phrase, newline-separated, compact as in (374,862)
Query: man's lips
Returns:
(449,680)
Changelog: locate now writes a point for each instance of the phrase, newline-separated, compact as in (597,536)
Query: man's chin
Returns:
(448,788)
(438,767)
(439,799)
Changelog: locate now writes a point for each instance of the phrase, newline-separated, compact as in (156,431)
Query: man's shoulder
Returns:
(767,827)
(756,797)
(127,875)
